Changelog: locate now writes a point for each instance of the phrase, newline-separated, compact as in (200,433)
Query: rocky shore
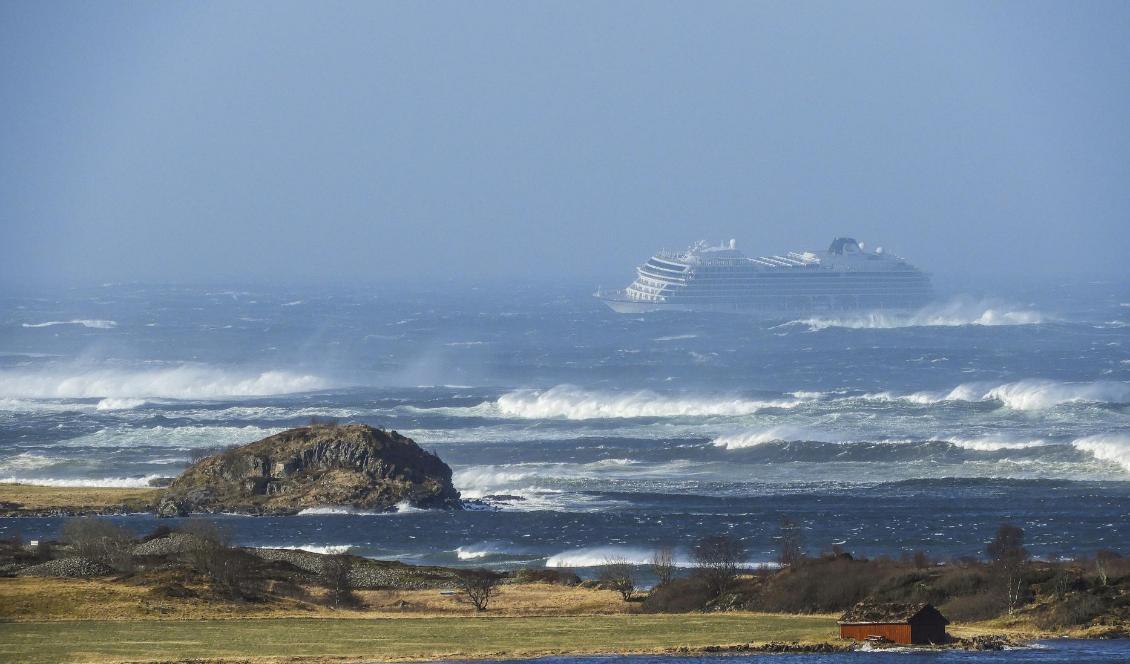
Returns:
(354,466)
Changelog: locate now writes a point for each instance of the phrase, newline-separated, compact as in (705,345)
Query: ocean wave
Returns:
(595,556)
(101,482)
(1028,394)
(85,322)
(330,549)
(996,443)
(184,438)
(1107,447)
(574,403)
(180,382)
(29,461)
(120,404)
(483,550)
(324,511)
(954,313)
(782,433)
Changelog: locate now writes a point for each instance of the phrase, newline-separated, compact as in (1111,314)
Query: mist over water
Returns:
(586,433)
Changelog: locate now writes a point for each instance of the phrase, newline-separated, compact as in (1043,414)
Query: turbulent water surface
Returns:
(589,433)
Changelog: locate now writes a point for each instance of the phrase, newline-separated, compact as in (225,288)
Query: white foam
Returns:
(1041,394)
(573,403)
(85,322)
(957,312)
(595,556)
(102,482)
(677,337)
(996,442)
(327,549)
(185,381)
(1107,447)
(740,440)
(316,511)
(120,404)
(28,461)
(481,550)
(185,438)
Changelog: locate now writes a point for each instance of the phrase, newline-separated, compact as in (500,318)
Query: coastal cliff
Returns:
(353,465)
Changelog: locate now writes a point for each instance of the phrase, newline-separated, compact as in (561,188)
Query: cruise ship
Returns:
(845,277)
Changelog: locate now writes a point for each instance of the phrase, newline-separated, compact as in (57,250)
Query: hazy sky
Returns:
(201,141)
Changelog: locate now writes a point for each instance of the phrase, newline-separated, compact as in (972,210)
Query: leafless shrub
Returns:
(790,543)
(979,606)
(663,565)
(209,553)
(616,574)
(477,586)
(718,559)
(335,577)
(100,540)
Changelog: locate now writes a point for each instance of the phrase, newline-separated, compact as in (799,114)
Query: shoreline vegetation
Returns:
(100,593)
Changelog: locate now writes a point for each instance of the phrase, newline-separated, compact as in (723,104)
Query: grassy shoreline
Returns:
(417,639)
(34,500)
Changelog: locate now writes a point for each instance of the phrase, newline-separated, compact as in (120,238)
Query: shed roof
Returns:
(867,612)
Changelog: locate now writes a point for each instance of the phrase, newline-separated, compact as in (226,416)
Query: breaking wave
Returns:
(1107,447)
(92,323)
(599,555)
(1029,394)
(119,404)
(330,549)
(783,433)
(573,403)
(955,313)
(103,482)
(181,382)
(996,443)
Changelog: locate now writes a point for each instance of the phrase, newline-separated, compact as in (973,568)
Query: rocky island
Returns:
(354,466)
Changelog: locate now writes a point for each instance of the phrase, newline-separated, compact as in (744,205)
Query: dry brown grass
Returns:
(39,599)
(16,498)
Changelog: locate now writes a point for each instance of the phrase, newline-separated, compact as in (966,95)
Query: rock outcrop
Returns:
(351,465)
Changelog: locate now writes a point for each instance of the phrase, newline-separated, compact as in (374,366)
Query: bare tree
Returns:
(100,540)
(616,573)
(1009,556)
(663,565)
(209,552)
(478,586)
(1103,560)
(336,577)
(718,558)
(791,542)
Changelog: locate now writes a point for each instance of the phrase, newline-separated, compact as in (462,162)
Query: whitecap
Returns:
(1107,447)
(186,381)
(84,322)
(574,403)
(961,311)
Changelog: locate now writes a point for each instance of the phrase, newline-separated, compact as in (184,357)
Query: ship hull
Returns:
(622,306)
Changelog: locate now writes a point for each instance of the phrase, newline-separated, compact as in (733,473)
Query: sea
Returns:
(577,434)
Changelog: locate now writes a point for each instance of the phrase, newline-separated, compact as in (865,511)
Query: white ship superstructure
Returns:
(845,277)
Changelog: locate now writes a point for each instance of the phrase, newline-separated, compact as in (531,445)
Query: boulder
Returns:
(351,465)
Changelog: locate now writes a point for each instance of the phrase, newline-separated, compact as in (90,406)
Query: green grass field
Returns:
(397,638)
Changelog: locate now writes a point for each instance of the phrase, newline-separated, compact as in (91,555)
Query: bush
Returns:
(981,606)
(1076,610)
(560,577)
(100,541)
(678,596)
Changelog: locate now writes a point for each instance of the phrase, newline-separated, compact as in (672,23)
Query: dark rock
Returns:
(352,465)
(161,482)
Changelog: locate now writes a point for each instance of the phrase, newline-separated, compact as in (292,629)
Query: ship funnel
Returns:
(733,243)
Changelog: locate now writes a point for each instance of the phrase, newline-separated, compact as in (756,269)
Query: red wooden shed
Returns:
(917,623)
